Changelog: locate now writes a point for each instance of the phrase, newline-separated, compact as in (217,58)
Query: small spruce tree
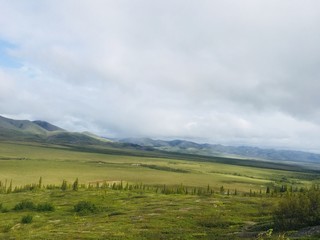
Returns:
(9,190)
(64,185)
(222,190)
(40,183)
(75,185)
(268,190)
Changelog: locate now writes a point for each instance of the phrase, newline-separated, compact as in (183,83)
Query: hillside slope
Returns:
(182,146)
(41,131)
(25,130)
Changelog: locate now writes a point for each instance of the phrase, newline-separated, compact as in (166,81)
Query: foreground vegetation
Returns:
(130,214)
(92,194)
(137,212)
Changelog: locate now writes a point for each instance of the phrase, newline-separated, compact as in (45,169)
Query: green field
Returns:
(145,212)
(25,163)
(132,215)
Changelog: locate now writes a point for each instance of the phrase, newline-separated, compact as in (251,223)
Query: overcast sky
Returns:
(231,72)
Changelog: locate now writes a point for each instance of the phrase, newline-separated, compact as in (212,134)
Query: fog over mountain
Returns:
(228,72)
(22,131)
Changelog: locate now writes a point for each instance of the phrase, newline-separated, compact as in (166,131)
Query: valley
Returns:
(60,184)
(140,194)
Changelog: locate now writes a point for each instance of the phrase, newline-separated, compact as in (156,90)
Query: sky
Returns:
(229,72)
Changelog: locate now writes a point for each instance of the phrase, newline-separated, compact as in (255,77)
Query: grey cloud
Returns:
(242,72)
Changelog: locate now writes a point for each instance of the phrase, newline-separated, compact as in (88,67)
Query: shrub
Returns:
(26,219)
(24,205)
(85,207)
(45,207)
(297,211)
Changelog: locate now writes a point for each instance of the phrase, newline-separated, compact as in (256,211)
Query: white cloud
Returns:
(238,72)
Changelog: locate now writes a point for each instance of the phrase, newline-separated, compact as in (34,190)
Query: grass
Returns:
(25,163)
(134,214)
(129,215)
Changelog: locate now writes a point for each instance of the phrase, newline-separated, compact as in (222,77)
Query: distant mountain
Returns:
(41,131)
(48,126)
(22,126)
(188,147)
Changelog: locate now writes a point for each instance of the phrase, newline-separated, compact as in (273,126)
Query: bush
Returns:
(26,219)
(297,211)
(85,207)
(45,207)
(24,205)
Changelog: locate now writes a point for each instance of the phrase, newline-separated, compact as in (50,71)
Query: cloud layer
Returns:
(232,72)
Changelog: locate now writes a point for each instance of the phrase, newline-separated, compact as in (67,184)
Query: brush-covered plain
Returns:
(241,210)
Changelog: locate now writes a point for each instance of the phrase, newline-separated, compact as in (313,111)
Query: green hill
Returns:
(23,126)
(47,126)
(41,131)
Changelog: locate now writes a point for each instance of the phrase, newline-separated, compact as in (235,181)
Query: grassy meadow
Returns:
(241,210)
(132,215)
(25,163)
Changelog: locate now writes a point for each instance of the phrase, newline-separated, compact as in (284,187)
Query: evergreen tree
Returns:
(222,190)
(268,190)
(75,185)
(40,183)
(64,185)
(9,190)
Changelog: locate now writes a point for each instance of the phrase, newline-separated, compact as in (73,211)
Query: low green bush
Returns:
(24,205)
(85,207)
(29,205)
(298,210)
(45,207)
(26,219)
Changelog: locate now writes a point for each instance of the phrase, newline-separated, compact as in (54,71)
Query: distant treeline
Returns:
(271,191)
(298,207)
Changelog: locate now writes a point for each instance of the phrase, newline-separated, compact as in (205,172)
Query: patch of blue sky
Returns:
(6,59)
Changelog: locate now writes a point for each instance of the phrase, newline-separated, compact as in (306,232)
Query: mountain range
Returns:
(45,132)
(41,131)
(217,150)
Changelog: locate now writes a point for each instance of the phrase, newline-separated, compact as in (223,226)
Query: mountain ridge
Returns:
(206,149)
(42,131)
(48,126)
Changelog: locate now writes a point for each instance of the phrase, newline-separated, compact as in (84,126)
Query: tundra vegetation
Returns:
(63,192)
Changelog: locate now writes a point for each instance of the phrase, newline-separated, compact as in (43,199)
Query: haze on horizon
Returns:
(230,72)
